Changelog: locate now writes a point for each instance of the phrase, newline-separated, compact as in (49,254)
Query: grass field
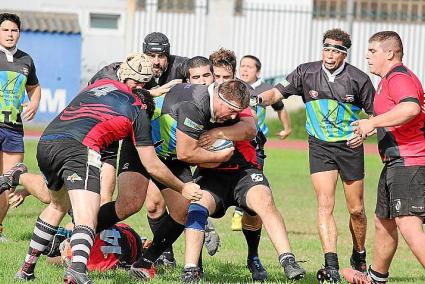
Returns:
(287,171)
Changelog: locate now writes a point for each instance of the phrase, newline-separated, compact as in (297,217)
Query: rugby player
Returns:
(400,121)
(334,93)
(185,112)
(68,155)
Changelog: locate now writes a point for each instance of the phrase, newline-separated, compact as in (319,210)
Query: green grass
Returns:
(287,171)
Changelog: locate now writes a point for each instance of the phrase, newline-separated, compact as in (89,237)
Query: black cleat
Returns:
(191,275)
(5,184)
(292,269)
(73,277)
(24,276)
(212,239)
(257,270)
(166,259)
(328,275)
(141,273)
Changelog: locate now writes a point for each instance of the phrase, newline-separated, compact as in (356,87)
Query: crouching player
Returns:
(116,247)
(238,182)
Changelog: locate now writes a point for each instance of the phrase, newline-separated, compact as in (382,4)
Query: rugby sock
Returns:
(377,277)
(42,235)
(253,241)
(81,242)
(331,259)
(107,216)
(359,255)
(165,236)
(154,224)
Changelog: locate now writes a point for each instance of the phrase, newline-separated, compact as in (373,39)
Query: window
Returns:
(180,6)
(372,10)
(104,21)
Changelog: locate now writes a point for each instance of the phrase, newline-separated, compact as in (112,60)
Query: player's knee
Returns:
(155,207)
(197,217)
(357,213)
(251,223)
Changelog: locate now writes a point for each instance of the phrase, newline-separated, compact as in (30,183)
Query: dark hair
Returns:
(389,35)
(224,58)
(156,43)
(257,61)
(235,90)
(195,62)
(338,34)
(10,17)
(146,99)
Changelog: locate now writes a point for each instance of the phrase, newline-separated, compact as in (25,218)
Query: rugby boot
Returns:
(191,275)
(212,239)
(257,270)
(23,275)
(141,273)
(166,259)
(358,261)
(292,269)
(237,221)
(328,274)
(14,173)
(74,277)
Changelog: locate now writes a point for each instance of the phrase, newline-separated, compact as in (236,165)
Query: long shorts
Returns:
(130,162)
(70,163)
(230,188)
(401,192)
(11,140)
(327,156)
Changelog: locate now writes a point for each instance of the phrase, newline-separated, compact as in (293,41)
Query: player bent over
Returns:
(68,155)
(237,182)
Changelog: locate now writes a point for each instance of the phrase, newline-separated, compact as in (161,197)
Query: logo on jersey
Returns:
(25,71)
(284,83)
(74,177)
(397,205)
(257,177)
(349,98)
(313,94)
(190,123)
(125,166)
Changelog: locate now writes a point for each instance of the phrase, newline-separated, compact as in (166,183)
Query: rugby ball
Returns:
(220,144)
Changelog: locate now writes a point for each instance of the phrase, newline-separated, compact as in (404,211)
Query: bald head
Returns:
(389,41)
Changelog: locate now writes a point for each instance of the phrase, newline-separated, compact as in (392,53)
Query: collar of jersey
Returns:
(9,52)
(331,77)
(257,83)
(211,93)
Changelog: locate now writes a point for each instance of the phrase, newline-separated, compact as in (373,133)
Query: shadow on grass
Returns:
(419,279)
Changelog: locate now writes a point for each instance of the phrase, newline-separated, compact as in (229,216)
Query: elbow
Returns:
(184,155)
(251,132)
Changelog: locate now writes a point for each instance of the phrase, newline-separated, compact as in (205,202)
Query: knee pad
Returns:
(197,217)
(251,223)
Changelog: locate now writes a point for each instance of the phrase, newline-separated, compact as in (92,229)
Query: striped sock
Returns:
(81,242)
(42,235)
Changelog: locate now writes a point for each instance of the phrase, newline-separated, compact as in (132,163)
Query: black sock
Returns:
(331,259)
(107,216)
(358,256)
(378,277)
(253,241)
(167,234)
(154,224)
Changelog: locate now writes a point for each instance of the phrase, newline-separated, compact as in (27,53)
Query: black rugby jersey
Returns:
(331,104)
(100,114)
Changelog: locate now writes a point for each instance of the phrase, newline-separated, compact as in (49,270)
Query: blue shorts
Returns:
(11,140)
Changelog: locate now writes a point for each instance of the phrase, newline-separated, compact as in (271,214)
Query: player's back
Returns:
(99,115)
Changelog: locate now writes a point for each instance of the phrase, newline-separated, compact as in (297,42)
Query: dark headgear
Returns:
(156,43)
